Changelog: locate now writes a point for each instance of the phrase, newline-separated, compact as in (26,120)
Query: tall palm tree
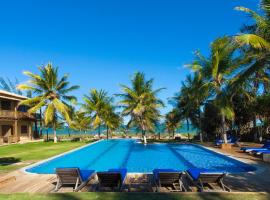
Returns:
(193,98)
(217,70)
(111,119)
(95,105)
(141,104)
(172,121)
(51,93)
(254,42)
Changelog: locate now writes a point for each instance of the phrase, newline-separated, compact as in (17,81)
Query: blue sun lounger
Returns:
(262,151)
(266,146)
(201,177)
(113,178)
(168,177)
(73,176)
(231,140)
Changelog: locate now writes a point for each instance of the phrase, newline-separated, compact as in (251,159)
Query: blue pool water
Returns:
(137,157)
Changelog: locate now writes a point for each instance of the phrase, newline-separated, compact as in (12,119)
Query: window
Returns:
(22,109)
(6,129)
(24,129)
(5,105)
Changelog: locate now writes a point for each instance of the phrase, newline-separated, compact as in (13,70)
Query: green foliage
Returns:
(233,82)
(9,86)
(140,103)
(51,93)
(172,121)
(99,107)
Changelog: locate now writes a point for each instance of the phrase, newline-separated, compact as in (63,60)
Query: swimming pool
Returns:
(140,158)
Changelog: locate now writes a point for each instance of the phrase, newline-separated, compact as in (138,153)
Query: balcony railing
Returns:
(8,114)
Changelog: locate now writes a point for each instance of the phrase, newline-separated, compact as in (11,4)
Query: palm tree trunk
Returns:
(200,126)
(144,137)
(40,123)
(224,134)
(188,128)
(173,134)
(54,132)
(255,129)
(36,135)
(99,130)
(107,132)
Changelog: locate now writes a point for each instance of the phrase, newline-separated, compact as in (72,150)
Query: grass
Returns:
(16,156)
(136,196)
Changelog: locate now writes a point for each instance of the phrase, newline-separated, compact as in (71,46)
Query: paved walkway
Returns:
(257,181)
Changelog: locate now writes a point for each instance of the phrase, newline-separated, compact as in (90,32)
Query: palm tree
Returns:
(80,121)
(51,94)
(254,42)
(216,70)
(95,105)
(141,104)
(172,121)
(193,98)
(111,119)
(9,86)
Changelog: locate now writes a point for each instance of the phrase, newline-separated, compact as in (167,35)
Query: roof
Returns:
(11,96)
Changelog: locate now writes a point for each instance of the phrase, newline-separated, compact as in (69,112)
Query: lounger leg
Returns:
(81,186)
(76,185)
(200,185)
(155,183)
(224,187)
(182,187)
(158,186)
(58,185)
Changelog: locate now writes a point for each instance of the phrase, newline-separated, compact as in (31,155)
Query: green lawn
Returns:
(138,196)
(19,155)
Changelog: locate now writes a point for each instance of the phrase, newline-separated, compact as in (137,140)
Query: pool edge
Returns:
(53,157)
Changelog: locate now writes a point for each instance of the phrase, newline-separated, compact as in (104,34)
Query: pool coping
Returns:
(257,169)
(53,157)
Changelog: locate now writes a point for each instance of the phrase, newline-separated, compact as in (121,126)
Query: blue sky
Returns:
(102,43)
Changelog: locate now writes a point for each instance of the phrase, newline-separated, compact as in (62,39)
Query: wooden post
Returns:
(30,130)
(16,135)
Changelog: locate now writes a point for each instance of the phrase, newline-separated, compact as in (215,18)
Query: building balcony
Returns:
(8,114)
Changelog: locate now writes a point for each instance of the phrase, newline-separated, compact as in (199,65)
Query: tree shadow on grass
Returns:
(4,161)
(160,196)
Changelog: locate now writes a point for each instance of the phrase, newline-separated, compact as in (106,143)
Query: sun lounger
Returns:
(266,146)
(261,151)
(201,177)
(168,177)
(73,176)
(113,178)
(232,140)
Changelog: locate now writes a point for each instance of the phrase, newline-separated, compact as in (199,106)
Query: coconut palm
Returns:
(95,105)
(111,119)
(80,121)
(140,103)
(51,93)
(217,70)
(172,121)
(256,42)
(10,86)
(192,97)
